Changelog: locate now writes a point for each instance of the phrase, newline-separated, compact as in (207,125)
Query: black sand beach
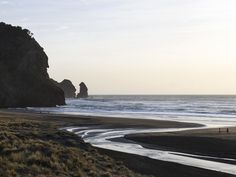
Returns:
(34,129)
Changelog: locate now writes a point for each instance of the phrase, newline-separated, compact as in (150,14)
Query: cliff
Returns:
(24,80)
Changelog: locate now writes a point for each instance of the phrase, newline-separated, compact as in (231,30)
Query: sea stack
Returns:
(24,81)
(83,91)
(68,88)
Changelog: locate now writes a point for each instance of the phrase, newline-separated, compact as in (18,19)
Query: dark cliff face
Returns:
(83,91)
(24,80)
(68,88)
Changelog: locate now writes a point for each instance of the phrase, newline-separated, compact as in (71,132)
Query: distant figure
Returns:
(227,130)
(83,91)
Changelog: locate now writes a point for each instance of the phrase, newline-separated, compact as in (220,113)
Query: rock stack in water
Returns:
(24,80)
(83,91)
(68,88)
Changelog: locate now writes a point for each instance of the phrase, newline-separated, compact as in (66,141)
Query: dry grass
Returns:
(33,148)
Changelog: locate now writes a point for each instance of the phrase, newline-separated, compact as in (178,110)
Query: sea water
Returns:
(187,108)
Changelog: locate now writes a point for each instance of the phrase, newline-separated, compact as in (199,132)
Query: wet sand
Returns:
(136,163)
(207,142)
(103,122)
(160,168)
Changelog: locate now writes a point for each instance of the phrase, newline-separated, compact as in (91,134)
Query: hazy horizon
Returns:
(134,47)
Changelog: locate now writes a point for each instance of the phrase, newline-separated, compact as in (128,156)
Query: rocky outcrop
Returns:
(24,80)
(68,88)
(83,91)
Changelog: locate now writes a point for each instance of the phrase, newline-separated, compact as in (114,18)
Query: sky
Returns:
(134,46)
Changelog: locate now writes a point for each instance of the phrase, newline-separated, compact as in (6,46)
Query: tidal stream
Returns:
(107,139)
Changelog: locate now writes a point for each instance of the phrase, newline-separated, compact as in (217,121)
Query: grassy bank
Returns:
(37,148)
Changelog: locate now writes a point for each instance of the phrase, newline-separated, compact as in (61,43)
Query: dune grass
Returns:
(34,148)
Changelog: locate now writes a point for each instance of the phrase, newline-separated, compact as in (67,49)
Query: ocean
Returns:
(187,108)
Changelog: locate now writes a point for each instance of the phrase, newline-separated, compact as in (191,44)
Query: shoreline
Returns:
(105,122)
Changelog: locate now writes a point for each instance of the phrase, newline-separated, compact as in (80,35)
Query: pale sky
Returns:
(135,46)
